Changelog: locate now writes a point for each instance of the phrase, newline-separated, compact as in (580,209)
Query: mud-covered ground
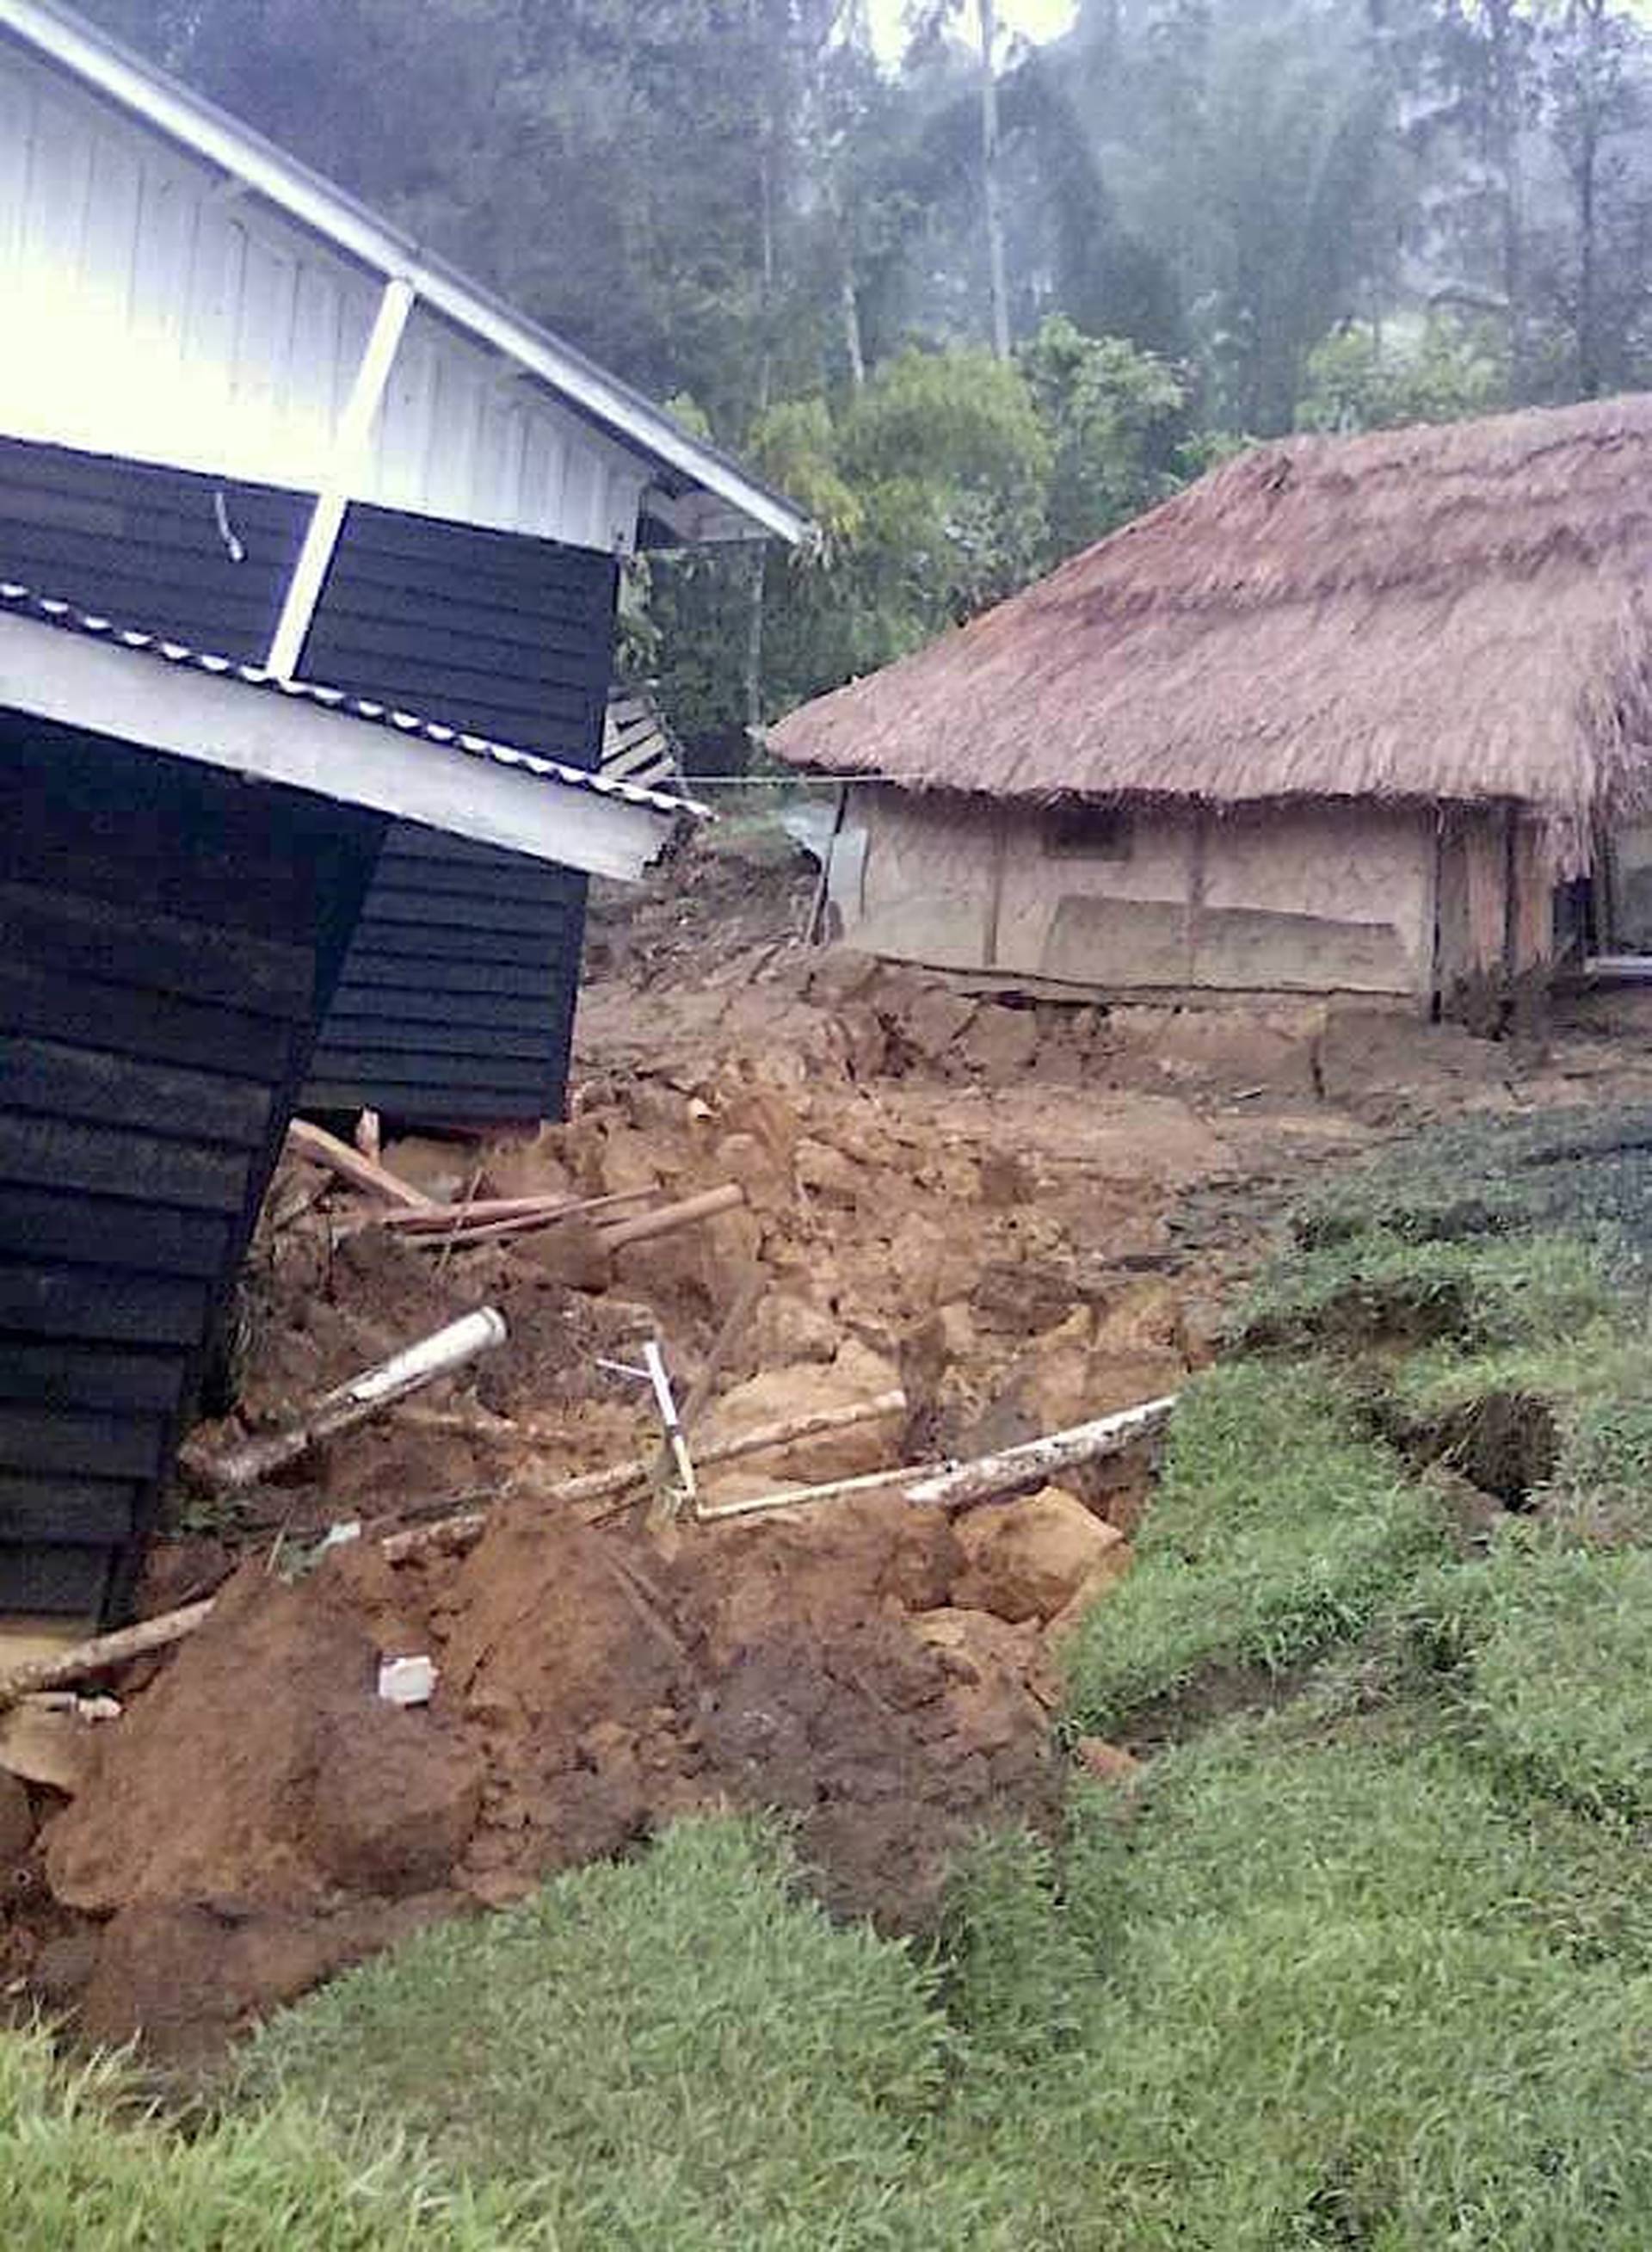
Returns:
(1020,1216)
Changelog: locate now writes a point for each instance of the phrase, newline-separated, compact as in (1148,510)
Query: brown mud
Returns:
(1025,1216)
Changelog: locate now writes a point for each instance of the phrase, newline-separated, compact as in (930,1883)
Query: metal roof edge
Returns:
(88,54)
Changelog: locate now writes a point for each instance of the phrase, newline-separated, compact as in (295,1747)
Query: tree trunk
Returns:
(752,668)
(992,185)
(1506,106)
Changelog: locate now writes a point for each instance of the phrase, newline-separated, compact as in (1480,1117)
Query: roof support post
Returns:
(349,445)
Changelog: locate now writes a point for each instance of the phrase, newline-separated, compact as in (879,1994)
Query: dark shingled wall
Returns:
(457,998)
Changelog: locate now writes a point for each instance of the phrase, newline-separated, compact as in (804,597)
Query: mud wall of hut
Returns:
(1316,899)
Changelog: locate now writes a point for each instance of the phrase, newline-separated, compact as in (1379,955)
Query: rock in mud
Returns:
(1029,1559)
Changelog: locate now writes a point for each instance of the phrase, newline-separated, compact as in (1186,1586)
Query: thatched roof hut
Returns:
(1436,617)
(1454,614)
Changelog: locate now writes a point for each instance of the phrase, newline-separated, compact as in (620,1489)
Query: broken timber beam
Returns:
(449,1533)
(1015,1468)
(72,1663)
(361,1173)
(350,1404)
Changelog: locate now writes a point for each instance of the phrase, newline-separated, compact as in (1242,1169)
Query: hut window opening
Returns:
(1075,830)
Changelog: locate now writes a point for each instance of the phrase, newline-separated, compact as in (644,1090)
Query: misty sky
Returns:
(1033,19)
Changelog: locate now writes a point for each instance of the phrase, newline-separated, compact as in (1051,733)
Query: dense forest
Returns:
(976,310)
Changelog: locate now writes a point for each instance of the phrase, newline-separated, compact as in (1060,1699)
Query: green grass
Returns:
(83,2166)
(1371,1973)
(1544,1650)
(1353,1997)
(1316,1984)
(1380,1287)
(677,2050)
(1280,1527)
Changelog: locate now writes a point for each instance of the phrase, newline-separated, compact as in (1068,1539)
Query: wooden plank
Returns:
(79,1442)
(94,1012)
(391,907)
(106,1305)
(393,976)
(90,1084)
(412,1103)
(89,1376)
(78,1510)
(77,1229)
(71,1583)
(407,842)
(376,1066)
(538,884)
(407,942)
(411,1009)
(153,951)
(82,1512)
(522,1040)
(117,1162)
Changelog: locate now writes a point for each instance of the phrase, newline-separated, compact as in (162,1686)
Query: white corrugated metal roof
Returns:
(696,488)
(23,601)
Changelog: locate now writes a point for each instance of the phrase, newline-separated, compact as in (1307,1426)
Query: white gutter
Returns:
(99,688)
(350,448)
(327,211)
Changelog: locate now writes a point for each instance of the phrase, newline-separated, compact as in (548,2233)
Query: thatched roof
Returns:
(1457,613)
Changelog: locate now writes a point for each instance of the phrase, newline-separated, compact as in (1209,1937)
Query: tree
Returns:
(1597,98)
(1116,419)
(1357,380)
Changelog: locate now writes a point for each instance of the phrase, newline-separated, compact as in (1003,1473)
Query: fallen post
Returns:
(445,1534)
(670,1217)
(352,1404)
(990,1478)
(1014,1468)
(63,1667)
(485,1212)
(512,1225)
(361,1173)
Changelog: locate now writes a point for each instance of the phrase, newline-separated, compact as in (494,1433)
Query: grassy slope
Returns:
(1373,1969)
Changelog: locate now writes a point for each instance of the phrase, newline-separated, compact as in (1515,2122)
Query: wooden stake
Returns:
(670,1217)
(325,1149)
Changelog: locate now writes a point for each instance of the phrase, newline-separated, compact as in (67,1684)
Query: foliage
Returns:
(1279,1529)
(1113,414)
(1357,382)
(1209,216)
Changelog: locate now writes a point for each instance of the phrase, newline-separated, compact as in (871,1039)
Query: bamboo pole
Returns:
(350,1404)
(670,1217)
(990,1478)
(79,1659)
(1014,1468)
(446,1532)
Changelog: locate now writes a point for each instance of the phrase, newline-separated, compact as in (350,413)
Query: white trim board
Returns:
(102,689)
(741,506)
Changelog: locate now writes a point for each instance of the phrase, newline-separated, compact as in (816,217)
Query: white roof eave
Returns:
(745,507)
